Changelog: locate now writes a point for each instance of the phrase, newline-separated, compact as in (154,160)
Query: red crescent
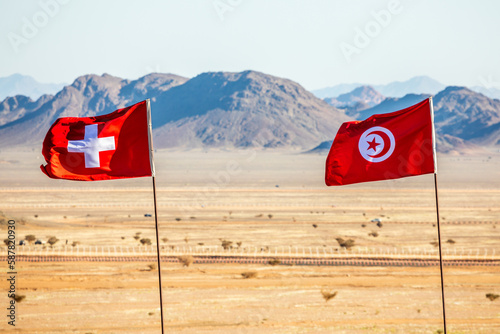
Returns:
(387,143)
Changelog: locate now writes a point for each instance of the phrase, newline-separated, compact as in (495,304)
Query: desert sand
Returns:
(263,200)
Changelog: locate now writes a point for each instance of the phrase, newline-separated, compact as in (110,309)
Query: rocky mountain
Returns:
(391,104)
(491,92)
(88,95)
(18,84)
(359,99)
(13,108)
(415,85)
(247,109)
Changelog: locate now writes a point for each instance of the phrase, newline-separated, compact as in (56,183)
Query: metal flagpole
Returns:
(150,138)
(437,214)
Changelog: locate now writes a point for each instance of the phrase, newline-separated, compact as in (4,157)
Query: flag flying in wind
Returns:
(112,146)
(385,146)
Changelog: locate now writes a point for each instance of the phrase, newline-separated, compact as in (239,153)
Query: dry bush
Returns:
(52,241)
(258,216)
(450,241)
(270,216)
(178,219)
(327,295)
(379,224)
(373,234)
(186,260)
(137,237)
(6,242)
(434,243)
(18,298)
(75,243)
(165,240)
(152,266)
(249,274)
(226,244)
(315,225)
(363,225)
(492,296)
(274,262)
(186,239)
(30,238)
(348,244)
(145,241)
(239,243)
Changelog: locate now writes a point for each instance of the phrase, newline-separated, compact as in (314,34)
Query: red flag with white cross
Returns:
(113,146)
(385,146)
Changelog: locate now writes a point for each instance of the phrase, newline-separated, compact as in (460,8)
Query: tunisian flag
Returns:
(112,146)
(385,146)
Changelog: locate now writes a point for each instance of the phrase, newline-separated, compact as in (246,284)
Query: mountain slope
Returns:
(361,98)
(246,109)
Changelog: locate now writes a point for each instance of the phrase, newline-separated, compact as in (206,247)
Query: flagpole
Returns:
(437,212)
(151,159)
(158,254)
(440,252)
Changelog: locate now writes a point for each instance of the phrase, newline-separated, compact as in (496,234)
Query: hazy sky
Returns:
(316,43)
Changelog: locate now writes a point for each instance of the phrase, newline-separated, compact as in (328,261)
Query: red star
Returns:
(373,145)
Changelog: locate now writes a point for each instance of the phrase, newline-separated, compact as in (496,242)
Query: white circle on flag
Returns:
(376,144)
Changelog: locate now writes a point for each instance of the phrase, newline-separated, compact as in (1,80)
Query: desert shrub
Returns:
(164,240)
(349,243)
(492,296)
(75,243)
(145,241)
(226,244)
(315,225)
(274,262)
(239,243)
(152,266)
(178,219)
(30,238)
(450,241)
(18,298)
(327,295)
(259,216)
(379,224)
(52,241)
(137,237)
(6,242)
(186,239)
(373,234)
(186,260)
(363,225)
(434,243)
(249,274)
(270,216)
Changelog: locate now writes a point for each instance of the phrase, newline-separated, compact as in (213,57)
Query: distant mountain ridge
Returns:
(18,84)
(243,110)
(216,109)
(415,85)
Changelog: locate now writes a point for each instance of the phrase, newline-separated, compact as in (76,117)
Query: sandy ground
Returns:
(261,199)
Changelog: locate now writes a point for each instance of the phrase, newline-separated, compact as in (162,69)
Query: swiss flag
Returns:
(385,146)
(112,146)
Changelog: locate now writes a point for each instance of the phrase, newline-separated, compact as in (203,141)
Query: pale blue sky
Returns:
(455,42)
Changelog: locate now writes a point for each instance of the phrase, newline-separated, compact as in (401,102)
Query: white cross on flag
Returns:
(112,146)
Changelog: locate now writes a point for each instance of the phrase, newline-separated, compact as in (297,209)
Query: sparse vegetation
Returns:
(363,225)
(186,260)
(19,298)
(327,295)
(30,238)
(137,237)
(379,224)
(75,243)
(373,234)
(450,241)
(178,219)
(315,225)
(348,244)
(226,244)
(274,262)
(434,243)
(239,243)
(152,266)
(270,216)
(6,242)
(249,274)
(492,296)
(165,240)
(52,241)
(145,241)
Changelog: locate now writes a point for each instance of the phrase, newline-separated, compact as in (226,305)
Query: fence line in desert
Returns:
(279,251)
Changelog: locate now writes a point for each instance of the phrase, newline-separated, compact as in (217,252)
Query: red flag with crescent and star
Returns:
(112,146)
(384,146)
